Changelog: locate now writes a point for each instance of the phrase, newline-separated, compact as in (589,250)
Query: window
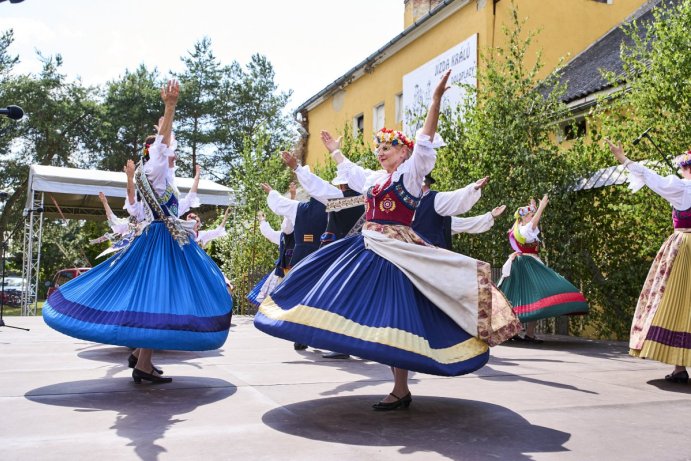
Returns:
(358,125)
(573,129)
(378,117)
(399,108)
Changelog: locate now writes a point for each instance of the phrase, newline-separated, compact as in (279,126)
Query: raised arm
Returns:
(106,207)
(430,126)
(169,95)
(314,185)
(129,172)
(195,183)
(540,209)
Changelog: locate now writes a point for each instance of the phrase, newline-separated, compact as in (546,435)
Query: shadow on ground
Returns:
(455,428)
(670,387)
(144,412)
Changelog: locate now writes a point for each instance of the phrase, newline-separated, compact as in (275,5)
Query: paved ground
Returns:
(256,399)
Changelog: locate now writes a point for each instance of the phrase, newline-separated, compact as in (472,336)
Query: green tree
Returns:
(131,107)
(197,110)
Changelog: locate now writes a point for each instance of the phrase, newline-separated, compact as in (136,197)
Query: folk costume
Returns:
(286,242)
(536,291)
(434,217)
(379,295)
(661,328)
(161,292)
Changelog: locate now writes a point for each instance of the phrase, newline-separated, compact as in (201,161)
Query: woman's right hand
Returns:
(170,92)
(617,150)
(330,143)
(544,200)
(441,86)
(265,187)
(129,169)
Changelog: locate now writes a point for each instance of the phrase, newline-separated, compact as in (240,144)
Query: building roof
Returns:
(419,27)
(583,74)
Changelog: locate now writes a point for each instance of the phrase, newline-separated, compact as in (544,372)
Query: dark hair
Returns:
(147,142)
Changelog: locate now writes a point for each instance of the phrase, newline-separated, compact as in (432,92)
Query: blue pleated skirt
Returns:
(256,290)
(155,294)
(346,298)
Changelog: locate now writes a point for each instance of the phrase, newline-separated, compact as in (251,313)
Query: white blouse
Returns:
(472,225)
(316,187)
(414,169)
(157,169)
(282,206)
(675,190)
(528,232)
(204,237)
(267,231)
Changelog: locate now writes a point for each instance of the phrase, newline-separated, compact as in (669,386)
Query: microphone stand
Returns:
(2,290)
(664,157)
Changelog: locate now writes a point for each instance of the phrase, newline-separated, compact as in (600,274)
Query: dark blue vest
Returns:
(285,253)
(310,222)
(340,222)
(430,225)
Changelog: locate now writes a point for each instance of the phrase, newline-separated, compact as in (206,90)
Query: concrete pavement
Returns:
(258,399)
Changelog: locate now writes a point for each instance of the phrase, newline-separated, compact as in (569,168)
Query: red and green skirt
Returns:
(537,292)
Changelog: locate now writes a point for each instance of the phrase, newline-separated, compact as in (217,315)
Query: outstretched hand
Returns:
(617,150)
(129,169)
(442,86)
(480,183)
(289,160)
(498,211)
(265,187)
(225,217)
(260,216)
(293,190)
(545,200)
(330,143)
(170,93)
(102,197)
(197,170)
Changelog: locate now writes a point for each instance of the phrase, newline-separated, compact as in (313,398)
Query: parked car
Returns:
(63,276)
(12,287)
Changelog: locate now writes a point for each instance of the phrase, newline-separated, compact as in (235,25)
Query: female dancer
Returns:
(376,296)
(661,328)
(163,291)
(535,291)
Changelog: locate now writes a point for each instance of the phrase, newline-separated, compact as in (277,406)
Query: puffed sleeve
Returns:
(315,186)
(267,231)
(675,190)
(472,225)
(458,201)
(282,206)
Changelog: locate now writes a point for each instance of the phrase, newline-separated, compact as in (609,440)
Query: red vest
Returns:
(390,203)
(528,248)
(681,219)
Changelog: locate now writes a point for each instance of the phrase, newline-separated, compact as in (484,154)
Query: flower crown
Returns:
(524,211)
(392,137)
(683,159)
(145,152)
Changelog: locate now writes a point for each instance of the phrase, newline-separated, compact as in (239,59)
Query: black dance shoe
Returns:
(138,375)
(532,339)
(400,402)
(335,355)
(299,347)
(681,377)
(132,362)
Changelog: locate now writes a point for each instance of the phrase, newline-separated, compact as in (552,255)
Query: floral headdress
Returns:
(524,211)
(145,152)
(683,159)
(392,137)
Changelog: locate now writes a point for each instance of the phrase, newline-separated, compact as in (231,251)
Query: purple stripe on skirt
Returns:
(669,338)
(133,319)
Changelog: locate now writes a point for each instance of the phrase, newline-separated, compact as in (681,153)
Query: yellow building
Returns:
(447,33)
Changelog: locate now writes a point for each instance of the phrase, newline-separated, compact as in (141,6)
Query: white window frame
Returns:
(378,117)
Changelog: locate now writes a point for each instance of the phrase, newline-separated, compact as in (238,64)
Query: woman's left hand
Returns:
(480,183)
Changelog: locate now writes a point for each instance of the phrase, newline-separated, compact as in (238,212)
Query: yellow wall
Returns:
(567,27)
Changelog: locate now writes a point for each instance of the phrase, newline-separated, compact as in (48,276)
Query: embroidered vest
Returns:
(390,203)
(681,219)
(528,248)
(310,222)
(430,225)
(339,223)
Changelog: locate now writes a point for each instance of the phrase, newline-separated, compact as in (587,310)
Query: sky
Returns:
(310,43)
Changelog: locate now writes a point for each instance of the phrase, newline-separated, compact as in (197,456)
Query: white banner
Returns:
(419,84)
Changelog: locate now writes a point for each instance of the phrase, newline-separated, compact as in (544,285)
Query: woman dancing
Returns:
(661,328)
(378,295)
(161,292)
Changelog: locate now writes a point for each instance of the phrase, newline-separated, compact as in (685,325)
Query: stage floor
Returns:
(258,399)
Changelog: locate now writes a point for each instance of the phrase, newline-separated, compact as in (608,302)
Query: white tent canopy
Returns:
(76,191)
(71,193)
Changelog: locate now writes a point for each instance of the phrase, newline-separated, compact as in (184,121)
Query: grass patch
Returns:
(17,311)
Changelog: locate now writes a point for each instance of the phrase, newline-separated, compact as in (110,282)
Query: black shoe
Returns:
(299,347)
(138,375)
(400,402)
(132,362)
(532,339)
(678,377)
(516,338)
(335,355)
